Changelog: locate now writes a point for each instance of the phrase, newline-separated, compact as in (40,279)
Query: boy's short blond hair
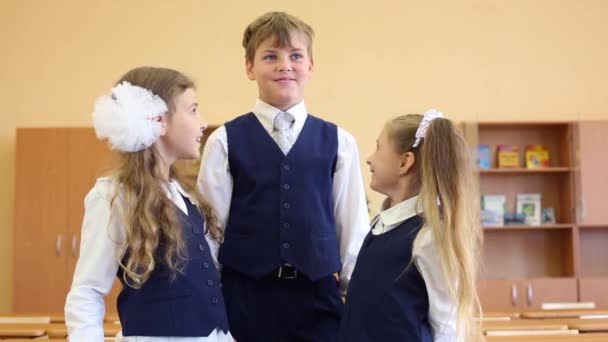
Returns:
(278,25)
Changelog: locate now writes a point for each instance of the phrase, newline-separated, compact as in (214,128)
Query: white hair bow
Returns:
(429,116)
(128,118)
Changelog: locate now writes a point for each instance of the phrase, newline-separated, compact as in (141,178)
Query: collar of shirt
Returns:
(390,218)
(174,191)
(266,114)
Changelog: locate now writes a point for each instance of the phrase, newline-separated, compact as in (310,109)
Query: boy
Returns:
(287,188)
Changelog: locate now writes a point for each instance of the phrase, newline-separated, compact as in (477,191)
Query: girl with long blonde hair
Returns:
(146,224)
(415,275)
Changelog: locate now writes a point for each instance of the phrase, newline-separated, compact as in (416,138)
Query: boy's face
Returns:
(282,73)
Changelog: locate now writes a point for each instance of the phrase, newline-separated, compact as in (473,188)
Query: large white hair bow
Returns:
(129,117)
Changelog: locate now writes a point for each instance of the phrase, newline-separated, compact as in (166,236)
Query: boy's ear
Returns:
(408,159)
(249,69)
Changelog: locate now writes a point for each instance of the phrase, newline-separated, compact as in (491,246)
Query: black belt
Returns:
(286,272)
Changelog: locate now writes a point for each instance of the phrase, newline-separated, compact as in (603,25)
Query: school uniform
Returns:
(294,212)
(189,308)
(398,292)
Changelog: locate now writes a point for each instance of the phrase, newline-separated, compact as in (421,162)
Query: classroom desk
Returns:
(61,331)
(551,338)
(510,314)
(523,324)
(588,325)
(53,317)
(562,313)
(22,330)
(53,330)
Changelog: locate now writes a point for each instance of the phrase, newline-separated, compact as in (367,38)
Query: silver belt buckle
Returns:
(291,277)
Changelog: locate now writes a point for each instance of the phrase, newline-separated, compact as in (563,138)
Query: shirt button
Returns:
(214,300)
(286,167)
(285,225)
(201,247)
(205,265)
(286,186)
(286,245)
(210,282)
(286,205)
(197,231)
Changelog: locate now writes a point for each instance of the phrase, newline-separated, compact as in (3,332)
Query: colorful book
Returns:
(493,210)
(529,205)
(537,156)
(507,156)
(483,157)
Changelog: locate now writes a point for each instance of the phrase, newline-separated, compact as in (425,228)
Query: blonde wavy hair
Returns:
(446,173)
(153,231)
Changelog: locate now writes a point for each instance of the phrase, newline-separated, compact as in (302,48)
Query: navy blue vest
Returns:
(387,298)
(190,305)
(282,207)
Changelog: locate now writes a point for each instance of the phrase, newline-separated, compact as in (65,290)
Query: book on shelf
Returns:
(529,205)
(548,216)
(493,210)
(483,157)
(507,156)
(537,157)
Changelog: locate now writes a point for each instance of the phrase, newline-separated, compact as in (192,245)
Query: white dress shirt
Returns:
(350,208)
(442,308)
(101,237)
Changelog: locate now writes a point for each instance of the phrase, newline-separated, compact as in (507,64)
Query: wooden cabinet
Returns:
(593,168)
(55,169)
(537,291)
(500,295)
(594,290)
(525,294)
(525,266)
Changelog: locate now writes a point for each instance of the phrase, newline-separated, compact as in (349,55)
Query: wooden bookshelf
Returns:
(525,265)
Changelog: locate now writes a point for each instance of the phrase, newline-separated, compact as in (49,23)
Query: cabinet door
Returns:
(499,295)
(41,242)
(537,291)
(88,159)
(593,179)
(594,290)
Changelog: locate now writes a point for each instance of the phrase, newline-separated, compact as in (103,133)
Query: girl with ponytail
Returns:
(415,275)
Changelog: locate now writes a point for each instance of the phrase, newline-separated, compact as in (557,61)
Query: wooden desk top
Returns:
(21,330)
(562,313)
(61,331)
(501,314)
(53,330)
(523,324)
(54,317)
(589,324)
(557,338)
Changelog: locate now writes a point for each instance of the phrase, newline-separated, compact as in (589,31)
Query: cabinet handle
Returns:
(514,295)
(530,295)
(582,211)
(58,245)
(74,245)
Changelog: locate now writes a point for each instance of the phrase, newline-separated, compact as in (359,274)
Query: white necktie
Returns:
(282,131)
